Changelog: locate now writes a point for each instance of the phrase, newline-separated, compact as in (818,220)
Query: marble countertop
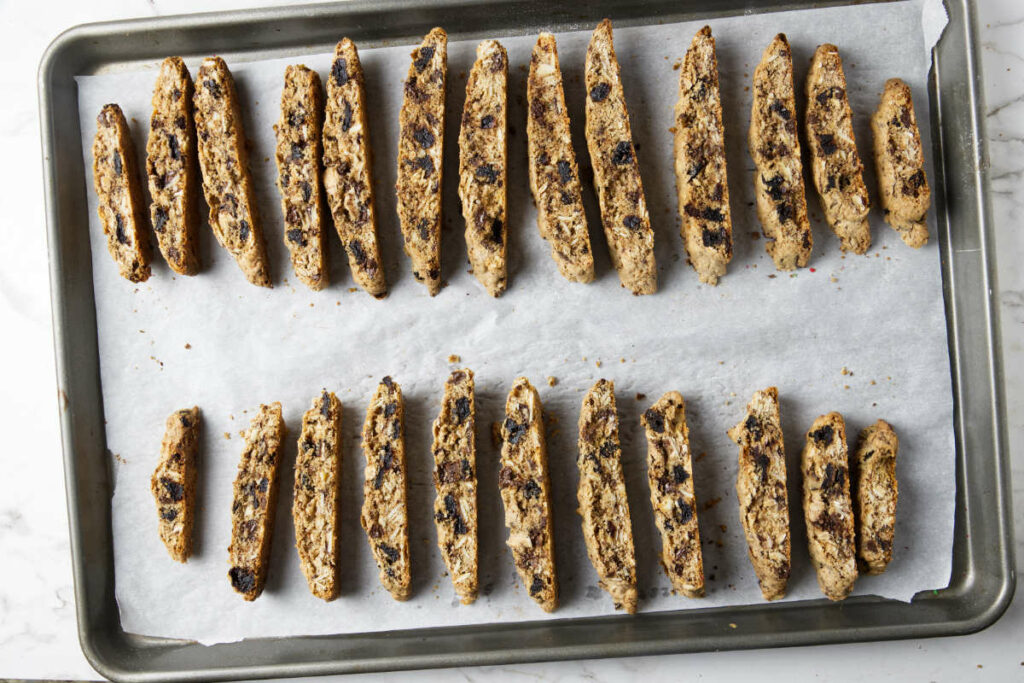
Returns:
(38,637)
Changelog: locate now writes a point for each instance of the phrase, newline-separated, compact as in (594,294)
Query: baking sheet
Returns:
(863,335)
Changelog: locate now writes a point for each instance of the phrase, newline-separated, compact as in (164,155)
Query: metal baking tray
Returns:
(983,575)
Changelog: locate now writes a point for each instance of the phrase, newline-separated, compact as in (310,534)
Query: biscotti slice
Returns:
(420,144)
(227,181)
(455,508)
(554,176)
(761,491)
(670,476)
(620,191)
(315,503)
(483,166)
(835,163)
(116,178)
(526,494)
(298,174)
(601,494)
(701,180)
(174,482)
(172,167)
(874,496)
(385,517)
(899,164)
(828,511)
(775,149)
(348,169)
(255,502)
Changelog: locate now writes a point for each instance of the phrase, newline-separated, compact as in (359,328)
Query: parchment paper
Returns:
(864,335)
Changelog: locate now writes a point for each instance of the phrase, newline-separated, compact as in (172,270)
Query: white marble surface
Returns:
(37,624)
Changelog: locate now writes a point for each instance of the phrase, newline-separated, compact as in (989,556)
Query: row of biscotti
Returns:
(525,491)
(337,127)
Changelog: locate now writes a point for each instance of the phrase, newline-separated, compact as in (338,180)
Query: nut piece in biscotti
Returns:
(420,145)
(526,494)
(701,181)
(298,174)
(227,181)
(899,163)
(775,149)
(554,176)
(601,494)
(761,490)
(172,167)
(116,178)
(255,502)
(483,166)
(835,163)
(385,516)
(828,510)
(455,508)
(348,169)
(315,501)
(875,491)
(174,482)
(620,191)
(670,475)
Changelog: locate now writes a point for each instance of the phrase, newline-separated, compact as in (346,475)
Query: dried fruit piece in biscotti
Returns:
(620,191)
(875,491)
(554,175)
(420,145)
(348,169)
(172,167)
(761,490)
(828,510)
(174,482)
(298,174)
(607,529)
(385,516)
(227,181)
(899,163)
(255,502)
(775,149)
(315,504)
(701,180)
(483,166)
(455,507)
(670,475)
(116,179)
(835,163)
(526,494)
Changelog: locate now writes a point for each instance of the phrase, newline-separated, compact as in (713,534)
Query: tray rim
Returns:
(98,644)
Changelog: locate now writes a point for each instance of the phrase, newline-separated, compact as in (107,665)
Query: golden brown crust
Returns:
(876,491)
(174,482)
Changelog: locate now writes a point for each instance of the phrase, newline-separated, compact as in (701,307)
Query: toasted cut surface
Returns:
(603,507)
(554,175)
(701,179)
(620,190)
(172,168)
(455,508)
(255,502)
(385,515)
(298,174)
(174,482)
(348,169)
(526,494)
(670,476)
(315,496)
(227,180)
(420,146)
(775,149)
(761,491)
(116,178)
(899,162)
(875,492)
